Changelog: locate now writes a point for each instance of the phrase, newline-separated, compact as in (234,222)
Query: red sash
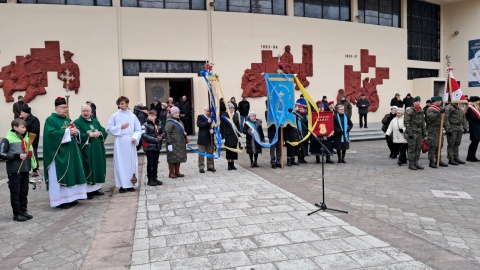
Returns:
(435,107)
(477,113)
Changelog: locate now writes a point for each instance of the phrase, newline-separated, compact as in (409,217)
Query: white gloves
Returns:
(223,141)
(170,148)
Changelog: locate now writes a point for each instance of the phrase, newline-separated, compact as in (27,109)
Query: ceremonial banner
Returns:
(453,93)
(323,122)
(280,98)
(474,63)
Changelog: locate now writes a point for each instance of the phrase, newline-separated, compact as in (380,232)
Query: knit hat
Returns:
(320,105)
(436,98)
(230,105)
(60,101)
(301,103)
(155,99)
(174,110)
(26,109)
(474,99)
(417,98)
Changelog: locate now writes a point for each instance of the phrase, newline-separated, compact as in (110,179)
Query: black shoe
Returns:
(443,164)
(274,166)
(365,127)
(329,160)
(151,183)
(64,206)
(97,193)
(412,166)
(131,189)
(295,163)
(303,161)
(73,203)
(452,162)
(121,190)
(19,218)
(432,164)
(255,164)
(474,159)
(317,159)
(211,170)
(361,127)
(25,214)
(230,166)
(391,155)
(159,183)
(342,161)
(399,163)
(233,167)
(278,165)
(418,166)
(251,164)
(89,196)
(459,161)
(289,163)
(201,171)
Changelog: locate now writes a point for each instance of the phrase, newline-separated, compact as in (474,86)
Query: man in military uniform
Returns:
(415,129)
(434,118)
(455,125)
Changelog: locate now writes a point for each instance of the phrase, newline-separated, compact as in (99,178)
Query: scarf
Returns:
(343,127)
(435,107)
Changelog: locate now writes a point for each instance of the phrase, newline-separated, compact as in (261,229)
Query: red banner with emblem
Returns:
(323,123)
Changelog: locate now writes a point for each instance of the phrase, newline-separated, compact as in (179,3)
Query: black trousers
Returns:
(363,116)
(402,150)
(187,122)
(152,163)
(393,147)
(18,184)
(292,151)
(472,149)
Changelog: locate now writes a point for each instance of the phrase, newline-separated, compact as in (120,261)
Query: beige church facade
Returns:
(106,38)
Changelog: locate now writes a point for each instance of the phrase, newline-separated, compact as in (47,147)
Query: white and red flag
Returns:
(453,88)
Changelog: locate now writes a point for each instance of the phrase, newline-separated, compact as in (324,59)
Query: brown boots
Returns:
(174,170)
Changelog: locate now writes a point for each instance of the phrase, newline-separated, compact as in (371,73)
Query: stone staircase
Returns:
(373,132)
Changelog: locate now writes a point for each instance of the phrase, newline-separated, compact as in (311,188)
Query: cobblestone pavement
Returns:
(437,205)
(54,238)
(238,220)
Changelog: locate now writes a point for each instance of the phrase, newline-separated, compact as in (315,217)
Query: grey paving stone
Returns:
(160,266)
(370,257)
(140,257)
(216,234)
(196,263)
(247,230)
(270,240)
(230,259)
(265,255)
(194,227)
(300,236)
(304,264)
(338,261)
(224,223)
(204,248)
(238,244)
(332,232)
(373,241)
(297,251)
(266,266)
(396,254)
(182,239)
(168,253)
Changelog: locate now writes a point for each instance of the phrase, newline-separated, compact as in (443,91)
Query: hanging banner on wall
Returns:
(474,63)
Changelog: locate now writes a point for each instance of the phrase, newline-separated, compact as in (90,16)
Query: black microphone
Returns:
(290,110)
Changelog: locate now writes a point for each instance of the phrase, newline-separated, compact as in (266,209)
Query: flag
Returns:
(453,88)
(279,99)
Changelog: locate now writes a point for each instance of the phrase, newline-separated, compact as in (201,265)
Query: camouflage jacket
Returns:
(434,118)
(348,106)
(414,121)
(455,119)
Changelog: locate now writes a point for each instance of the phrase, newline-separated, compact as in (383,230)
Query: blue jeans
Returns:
(242,120)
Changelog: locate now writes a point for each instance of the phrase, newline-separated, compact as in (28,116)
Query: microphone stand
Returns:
(322,206)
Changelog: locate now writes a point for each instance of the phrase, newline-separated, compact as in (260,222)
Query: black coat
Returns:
(361,109)
(252,146)
(291,134)
(33,126)
(271,132)
(163,116)
(223,109)
(94,110)
(204,136)
(243,107)
(337,136)
(150,142)
(157,108)
(186,109)
(407,102)
(473,124)
(386,120)
(227,132)
(141,116)
(396,102)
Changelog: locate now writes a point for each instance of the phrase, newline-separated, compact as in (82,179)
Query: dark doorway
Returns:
(180,88)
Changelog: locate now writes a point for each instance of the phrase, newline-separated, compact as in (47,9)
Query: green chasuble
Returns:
(93,150)
(67,157)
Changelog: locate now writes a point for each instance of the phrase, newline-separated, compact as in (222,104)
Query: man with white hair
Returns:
(205,140)
(92,146)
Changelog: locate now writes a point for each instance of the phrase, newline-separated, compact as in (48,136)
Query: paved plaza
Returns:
(256,218)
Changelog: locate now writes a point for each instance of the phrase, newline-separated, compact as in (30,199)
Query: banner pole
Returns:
(281,143)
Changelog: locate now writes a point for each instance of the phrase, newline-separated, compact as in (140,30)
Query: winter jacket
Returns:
(227,132)
(347,105)
(243,107)
(10,150)
(394,130)
(407,102)
(473,123)
(362,109)
(150,142)
(291,134)
(33,126)
(396,102)
(251,144)
(386,120)
(141,116)
(204,136)
(176,138)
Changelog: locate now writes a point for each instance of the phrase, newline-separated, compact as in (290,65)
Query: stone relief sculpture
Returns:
(69,73)
(29,73)
(354,86)
(253,83)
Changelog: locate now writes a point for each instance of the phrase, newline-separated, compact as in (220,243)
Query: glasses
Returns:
(63,107)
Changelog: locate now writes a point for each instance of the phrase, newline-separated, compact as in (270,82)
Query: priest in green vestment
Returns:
(62,159)
(93,136)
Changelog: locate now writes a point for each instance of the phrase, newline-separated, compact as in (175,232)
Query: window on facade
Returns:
(276,7)
(3,1)
(69,2)
(134,67)
(380,12)
(415,73)
(423,31)
(166,4)
(323,9)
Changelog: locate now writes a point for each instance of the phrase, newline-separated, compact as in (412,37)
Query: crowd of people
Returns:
(74,159)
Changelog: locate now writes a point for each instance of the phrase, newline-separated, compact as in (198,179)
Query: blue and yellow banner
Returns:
(280,98)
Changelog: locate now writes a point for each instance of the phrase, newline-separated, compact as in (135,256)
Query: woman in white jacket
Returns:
(396,130)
